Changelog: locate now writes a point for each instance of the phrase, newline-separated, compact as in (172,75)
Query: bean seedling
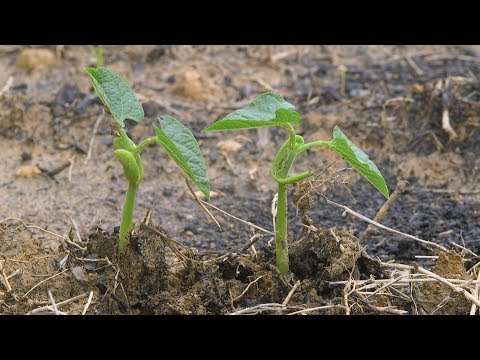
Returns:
(175,138)
(270,109)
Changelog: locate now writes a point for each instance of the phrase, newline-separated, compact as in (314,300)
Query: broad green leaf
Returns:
(268,109)
(183,148)
(359,160)
(116,95)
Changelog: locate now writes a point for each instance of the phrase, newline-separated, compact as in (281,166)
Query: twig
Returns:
(33,227)
(237,253)
(5,278)
(248,287)
(92,137)
(197,200)
(449,283)
(7,86)
(473,309)
(77,232)
(261,307)
(414,66)
(465,249)
(447,126)
(449,191)
(49,308)
(126,299)
(88,303)
(70,169)
(16,272)
(236,218)
(455,288)
(45,280)
(401,185)
(287,299)
(403,282)
(64,237)
(396,232)
(304,311)
(435,57)
(52,300)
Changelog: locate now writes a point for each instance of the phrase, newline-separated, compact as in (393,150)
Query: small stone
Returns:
(66,95)
(42,85)
(36,59)
(90,265)
(167,192)
(28,171)
(230,146)
(78,273)
(26,156)
(213,155)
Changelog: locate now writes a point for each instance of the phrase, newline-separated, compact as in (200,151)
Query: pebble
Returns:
(28,171)
(36,59)
(230,146)
(78,273)
(66,95)
(26,156)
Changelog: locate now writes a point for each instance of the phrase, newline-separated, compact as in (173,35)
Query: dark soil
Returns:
(392,108)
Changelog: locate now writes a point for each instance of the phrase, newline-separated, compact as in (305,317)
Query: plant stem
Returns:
(281,244)
(291,132)
(145,143)
(313,144)
(127,216)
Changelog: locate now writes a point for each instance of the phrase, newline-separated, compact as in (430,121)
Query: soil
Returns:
(70,193)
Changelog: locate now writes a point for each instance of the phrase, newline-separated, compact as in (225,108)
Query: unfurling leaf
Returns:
(268,109)
(359,160)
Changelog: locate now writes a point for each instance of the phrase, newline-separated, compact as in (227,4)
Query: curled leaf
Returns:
(180,144)
(268,109)
(358,160)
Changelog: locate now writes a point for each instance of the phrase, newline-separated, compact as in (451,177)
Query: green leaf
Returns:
(359,160)
(183,148)
(268,109)
(116,95)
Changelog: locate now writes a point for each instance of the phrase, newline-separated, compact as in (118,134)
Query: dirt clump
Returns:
(191,84)
(438,298)
(36,59)
(325,254)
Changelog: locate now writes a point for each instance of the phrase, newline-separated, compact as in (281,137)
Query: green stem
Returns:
(145,143)
(123,135)
(313,144)
(281,244)
(291,131)
(126,224)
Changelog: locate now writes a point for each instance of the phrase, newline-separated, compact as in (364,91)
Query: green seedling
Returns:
(271,109)
(175,138)
(97,51)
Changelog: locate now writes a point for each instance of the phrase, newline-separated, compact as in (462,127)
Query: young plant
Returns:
(97,51)
(271,109)
(176,139)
